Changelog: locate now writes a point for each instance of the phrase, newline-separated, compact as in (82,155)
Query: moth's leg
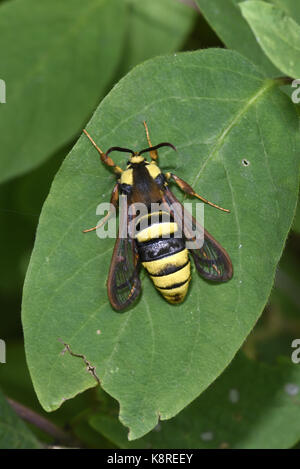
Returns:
(153,153)
(185,187)
(104,158)
(114,201)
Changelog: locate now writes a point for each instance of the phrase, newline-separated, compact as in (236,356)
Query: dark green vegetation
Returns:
(237,136)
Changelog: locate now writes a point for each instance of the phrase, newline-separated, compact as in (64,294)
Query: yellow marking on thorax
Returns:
(156,231)
(153,170)
(176,260)
(172,279)
(136,159)
(127,177)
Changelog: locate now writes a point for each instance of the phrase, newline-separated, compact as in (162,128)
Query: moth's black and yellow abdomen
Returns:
(165,257)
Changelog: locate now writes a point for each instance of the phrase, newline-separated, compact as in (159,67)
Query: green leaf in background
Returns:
(279,325)
(13,432)
(231,128)
(296,223)
(226,19)
(277,33)
(251,406)
(285,295)
(291,8)
(21,201)
(57,59)
(155,27)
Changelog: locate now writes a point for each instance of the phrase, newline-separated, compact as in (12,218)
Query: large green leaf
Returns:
(13,432)
(57,59)
(231,128)
(251,406)
(277,33)
(226,19)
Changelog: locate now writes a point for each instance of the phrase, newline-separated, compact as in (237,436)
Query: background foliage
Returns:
(237,135)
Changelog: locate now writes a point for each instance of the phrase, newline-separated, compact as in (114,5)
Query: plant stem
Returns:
(37,420)
(284,80)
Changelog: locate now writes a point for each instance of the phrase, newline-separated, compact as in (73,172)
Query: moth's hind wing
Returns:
(211,260)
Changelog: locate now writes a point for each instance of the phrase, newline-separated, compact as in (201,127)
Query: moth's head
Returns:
(136,157)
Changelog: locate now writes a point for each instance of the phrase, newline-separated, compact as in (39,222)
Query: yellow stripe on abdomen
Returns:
(176,294)
(157,230)
(156,267)
(171,275)
(167,281)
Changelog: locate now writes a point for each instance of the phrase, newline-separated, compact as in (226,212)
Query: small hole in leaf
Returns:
(245,162)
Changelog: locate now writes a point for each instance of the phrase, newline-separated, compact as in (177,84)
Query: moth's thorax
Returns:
(127,177)
(135,164)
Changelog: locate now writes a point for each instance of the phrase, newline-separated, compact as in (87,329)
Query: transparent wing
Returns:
(123,283)
(211,260)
